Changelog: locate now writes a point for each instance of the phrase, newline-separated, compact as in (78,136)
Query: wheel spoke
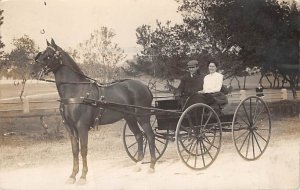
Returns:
(202,115)
(190,151)
(157,150)
(195,163)
(203,160)
(253,145)
(257,116)
(188,145)
(206,150)
(210,114)
(257,102)
(157,140)
(246,113)
(248,124)
(257,143)
(263,119)
(210,143)
(244,142)
(251,119)
(256,109)
(241,135)
(248,144)
(132,144)
(260,136)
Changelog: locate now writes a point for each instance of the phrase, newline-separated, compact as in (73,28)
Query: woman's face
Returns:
(212,68)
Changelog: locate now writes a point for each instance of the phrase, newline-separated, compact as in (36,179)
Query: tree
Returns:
(3,56)
(100,56)
(20,59)
(167,49)
(265,32)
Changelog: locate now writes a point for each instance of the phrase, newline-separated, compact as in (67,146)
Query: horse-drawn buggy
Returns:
(197,130)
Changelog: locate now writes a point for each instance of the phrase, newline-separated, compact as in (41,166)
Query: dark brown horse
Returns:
(78,116)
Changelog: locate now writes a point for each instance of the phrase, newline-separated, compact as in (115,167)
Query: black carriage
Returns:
(198,130)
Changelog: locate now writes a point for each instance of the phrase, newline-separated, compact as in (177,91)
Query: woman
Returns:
(212,86)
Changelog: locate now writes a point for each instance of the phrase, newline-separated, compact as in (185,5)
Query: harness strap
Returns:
(72,100)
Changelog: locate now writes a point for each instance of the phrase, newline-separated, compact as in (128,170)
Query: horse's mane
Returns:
(67,58)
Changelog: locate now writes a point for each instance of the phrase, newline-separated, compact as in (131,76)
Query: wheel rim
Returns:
(131,145)
(251,128)
(198,136)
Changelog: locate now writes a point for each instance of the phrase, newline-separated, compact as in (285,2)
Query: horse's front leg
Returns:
(83,136)
(75,150)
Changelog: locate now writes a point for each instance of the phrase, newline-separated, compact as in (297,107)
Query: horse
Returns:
(78,116)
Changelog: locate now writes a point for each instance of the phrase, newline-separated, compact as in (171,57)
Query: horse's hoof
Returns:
(81,181)
(71,180)
(151,171)
(137,167)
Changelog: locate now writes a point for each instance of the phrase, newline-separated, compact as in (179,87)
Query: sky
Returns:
(70,22)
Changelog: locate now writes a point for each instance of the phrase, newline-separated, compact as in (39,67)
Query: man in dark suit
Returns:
(190,85)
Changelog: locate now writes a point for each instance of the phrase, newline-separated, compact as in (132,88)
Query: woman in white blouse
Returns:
(212,86)
(213,81)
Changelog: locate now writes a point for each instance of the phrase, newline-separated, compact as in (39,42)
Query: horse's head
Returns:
(47,61)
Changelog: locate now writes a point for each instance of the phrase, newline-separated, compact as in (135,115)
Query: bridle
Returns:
(53,65)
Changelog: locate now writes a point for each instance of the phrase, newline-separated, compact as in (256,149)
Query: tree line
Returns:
(239,34)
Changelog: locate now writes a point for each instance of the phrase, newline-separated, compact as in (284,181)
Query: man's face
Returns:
(193,70)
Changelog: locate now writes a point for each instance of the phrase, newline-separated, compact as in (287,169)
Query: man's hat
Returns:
(192,63)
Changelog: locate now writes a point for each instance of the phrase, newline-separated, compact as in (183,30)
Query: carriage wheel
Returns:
(131,145)
(198,136)
(251,128)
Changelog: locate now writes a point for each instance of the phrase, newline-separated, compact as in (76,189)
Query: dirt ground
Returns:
(33,161)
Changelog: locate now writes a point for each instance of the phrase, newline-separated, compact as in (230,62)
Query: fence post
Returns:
(284,94)
(242,94)
(25,104)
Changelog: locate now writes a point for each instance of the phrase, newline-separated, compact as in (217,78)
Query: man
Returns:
(190,85)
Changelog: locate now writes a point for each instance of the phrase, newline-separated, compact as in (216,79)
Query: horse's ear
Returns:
(48,44)
(53,43)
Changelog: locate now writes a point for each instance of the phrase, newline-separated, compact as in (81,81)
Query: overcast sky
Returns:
(70,22)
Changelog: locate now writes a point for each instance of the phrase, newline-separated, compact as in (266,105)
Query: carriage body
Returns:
(165,120)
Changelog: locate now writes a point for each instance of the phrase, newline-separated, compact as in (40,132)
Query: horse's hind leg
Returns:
(133,126)
(146,126)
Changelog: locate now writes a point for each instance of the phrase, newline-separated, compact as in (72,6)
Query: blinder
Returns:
(53,61)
